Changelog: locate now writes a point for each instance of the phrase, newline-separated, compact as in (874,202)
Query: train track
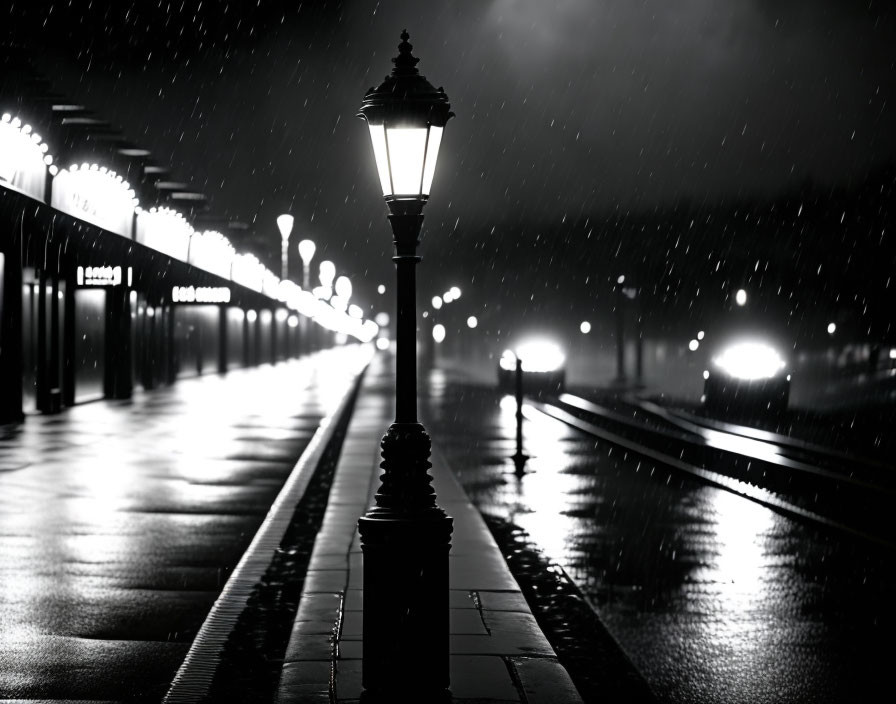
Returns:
(820,485)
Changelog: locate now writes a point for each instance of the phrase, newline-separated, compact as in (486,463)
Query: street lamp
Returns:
(284,224)
(306,252)
(405,536)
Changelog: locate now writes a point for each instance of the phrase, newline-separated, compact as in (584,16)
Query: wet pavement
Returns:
(713,597)
(120,522)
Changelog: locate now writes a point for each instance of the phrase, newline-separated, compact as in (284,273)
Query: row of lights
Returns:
(256,275)
(28,138)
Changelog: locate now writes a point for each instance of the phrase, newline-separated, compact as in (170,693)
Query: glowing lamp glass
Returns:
(284,224)
(327,273)
(405,158)
(306,251)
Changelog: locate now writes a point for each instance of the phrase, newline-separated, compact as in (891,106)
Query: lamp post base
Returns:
(405,540)
(405,605)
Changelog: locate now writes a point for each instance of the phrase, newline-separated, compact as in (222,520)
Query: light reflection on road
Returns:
(120,521)
(715,598)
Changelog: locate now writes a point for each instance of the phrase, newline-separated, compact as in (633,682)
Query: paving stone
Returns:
(504,601)
(348,680)
(314,607)
(351,625)
(309,647)
(467,621)
(325,580)
(481,677)
(545,681)
(507,643)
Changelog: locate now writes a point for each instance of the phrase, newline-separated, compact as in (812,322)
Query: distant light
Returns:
(381,289)
(426,314)
(293,321)
(382,343)
(700,335)
(585,327)
(281,315)
(438,332)
(327,272)
(893,353)
(832,328)
(706,374)
(284,224)
(307,248)
(382,319)
(251,316)
(472,322)
(355,311)
(740,297)
(750,360)
(693,345)
(448,297)
(436,302)
(343,287)
(455,292)
(621,279)
(537,356)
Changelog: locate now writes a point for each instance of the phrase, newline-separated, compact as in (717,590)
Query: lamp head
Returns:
(284,224)
(406,116)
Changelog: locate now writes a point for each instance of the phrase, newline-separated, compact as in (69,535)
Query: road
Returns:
(715,598)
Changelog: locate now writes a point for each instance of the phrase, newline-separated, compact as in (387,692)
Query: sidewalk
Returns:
(120,521)
(498,653)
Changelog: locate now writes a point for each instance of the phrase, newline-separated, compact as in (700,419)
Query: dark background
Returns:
(696,146)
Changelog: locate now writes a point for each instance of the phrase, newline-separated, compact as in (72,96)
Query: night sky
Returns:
(571,118)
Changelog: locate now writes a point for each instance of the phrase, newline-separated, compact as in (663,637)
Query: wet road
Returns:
(120,522)
(713,597)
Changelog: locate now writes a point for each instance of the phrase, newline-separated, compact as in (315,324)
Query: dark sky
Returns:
(565,110)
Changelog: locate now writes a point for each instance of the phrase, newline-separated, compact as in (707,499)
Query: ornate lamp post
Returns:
(405,536)
(284,224)
(306,252)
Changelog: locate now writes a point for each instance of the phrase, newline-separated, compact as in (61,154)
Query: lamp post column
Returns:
(304,322)
(405,536)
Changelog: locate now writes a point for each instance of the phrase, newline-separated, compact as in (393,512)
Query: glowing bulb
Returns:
(585,327)
(740,297)
(438,332)
(472,322)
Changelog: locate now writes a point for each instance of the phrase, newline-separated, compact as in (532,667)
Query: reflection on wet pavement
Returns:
(120,521)
(713,597)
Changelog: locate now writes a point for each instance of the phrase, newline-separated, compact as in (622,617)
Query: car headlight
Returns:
(537,355)
(750,361)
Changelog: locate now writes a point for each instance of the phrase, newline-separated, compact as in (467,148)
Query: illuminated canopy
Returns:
(24,157)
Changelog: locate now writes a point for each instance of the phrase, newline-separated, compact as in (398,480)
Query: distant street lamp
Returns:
(306,252)
(405,537)
(326,273)
(284,224)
